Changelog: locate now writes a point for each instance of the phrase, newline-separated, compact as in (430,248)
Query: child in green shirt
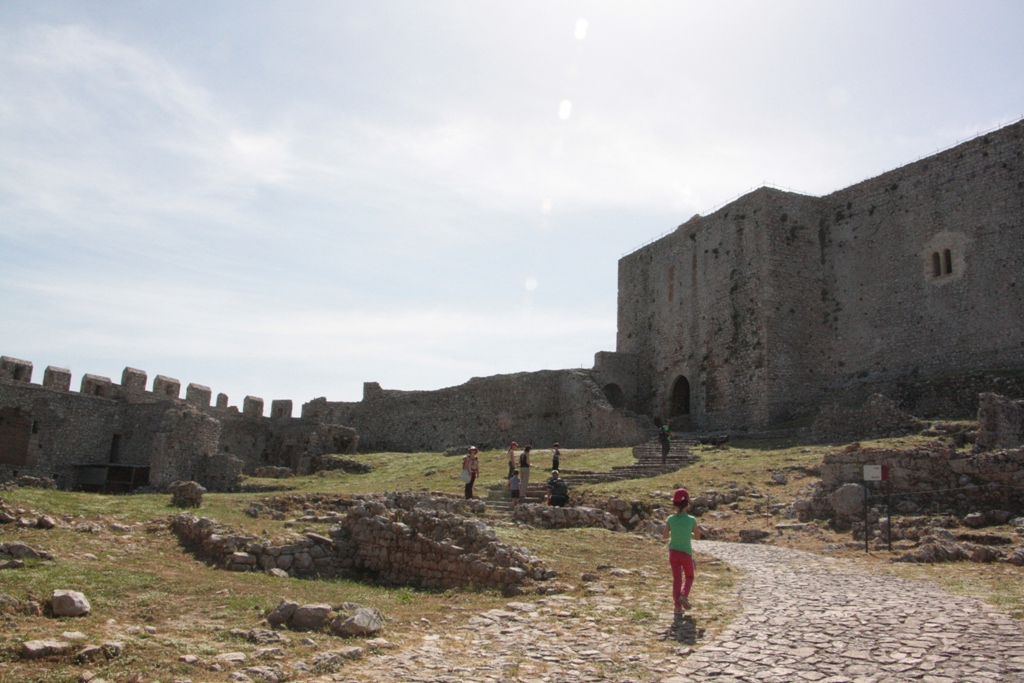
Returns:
(682,528)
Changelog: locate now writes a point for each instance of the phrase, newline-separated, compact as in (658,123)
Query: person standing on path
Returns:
(513,485)
(470,470)
(682,528)
(556,458)
(511,458)
(665,438)
(524,468)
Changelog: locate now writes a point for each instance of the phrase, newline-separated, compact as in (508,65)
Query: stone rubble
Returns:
(546,517)
(186,494)
(398,540)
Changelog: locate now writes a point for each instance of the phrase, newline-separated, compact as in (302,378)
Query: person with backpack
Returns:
(558,490)
(682,528)
(524,468)
(665,438)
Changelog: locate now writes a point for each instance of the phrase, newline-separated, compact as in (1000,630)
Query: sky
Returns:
(287,199)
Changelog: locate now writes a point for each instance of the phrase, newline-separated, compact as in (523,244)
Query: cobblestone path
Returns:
(804,618)
(809,618)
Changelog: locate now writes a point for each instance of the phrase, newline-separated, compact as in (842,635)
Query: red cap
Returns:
(680,495)
(514,445)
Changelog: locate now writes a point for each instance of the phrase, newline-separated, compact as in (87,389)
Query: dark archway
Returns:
(613,392)
(680,397)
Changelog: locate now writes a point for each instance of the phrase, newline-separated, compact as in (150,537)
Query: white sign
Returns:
(872,473)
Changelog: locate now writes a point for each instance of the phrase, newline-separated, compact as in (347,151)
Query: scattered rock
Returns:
(310,617)
(186,494)
(231,658)
(46,522)
(37,649)
(363,622)
(753,535)
(975,520)
(68,603)
(89,653)
(20,551)
(279,573)
(112,648)
(283,612)
(262,636)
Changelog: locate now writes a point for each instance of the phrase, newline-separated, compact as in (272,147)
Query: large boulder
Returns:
(310,617)
(65,603)
(282,614)
(186,494)
(36,649)
(363,622)
(848,501)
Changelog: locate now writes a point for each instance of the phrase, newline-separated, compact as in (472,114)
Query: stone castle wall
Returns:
(541,408)
(778,302)
(51,431)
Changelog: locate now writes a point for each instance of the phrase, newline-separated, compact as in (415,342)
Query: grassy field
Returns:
(143,578)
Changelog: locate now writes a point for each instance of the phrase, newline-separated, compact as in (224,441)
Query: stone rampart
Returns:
(49,431)
(543,407)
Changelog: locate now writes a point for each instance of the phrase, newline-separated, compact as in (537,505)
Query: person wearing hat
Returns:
(511,458)
(682,528)
(470,470)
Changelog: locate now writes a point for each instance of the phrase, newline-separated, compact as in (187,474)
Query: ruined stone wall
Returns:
(1000,422)
(936,478)
(536,407)
(415,545)
(59,430)
(182,446)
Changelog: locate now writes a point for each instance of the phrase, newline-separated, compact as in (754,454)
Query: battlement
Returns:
(133,388)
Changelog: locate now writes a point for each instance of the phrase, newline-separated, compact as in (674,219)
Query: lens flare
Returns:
(581,29)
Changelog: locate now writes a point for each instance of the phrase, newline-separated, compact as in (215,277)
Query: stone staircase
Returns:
(648,464)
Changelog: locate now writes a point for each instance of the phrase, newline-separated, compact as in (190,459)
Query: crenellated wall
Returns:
(147,437)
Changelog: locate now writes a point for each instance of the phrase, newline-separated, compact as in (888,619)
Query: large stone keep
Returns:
(777,302)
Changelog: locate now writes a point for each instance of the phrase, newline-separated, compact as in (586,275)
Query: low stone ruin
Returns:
(546,517)
(346,619)
(941,545)
(330,509)
(1000,422)
(938,478)
(879,417)
(27,482)
(186,494)
(274,472)
(396,541)
(328,462)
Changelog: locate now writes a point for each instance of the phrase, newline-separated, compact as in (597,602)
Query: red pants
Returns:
(681,563)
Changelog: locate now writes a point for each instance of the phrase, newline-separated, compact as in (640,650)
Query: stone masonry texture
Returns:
(778,302)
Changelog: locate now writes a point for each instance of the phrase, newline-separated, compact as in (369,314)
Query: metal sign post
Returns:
(877,473)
